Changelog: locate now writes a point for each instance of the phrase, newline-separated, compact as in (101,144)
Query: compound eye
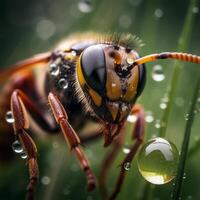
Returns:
(93,68)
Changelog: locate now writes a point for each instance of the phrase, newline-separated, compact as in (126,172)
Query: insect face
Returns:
(106,77)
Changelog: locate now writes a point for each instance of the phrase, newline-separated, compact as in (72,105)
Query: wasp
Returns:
(87,78)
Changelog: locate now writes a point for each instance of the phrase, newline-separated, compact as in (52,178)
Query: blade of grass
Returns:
(183,156)
(183,45)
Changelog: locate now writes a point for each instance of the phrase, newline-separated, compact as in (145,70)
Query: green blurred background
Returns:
(31,27)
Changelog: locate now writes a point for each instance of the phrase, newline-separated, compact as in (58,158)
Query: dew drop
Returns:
(126,150)
(45,180)
(132,118)
(73,53)
(186,117)
(195,9)
(130,60)
(9,117)
(179,101)
(63,84)
(157,124)
(45,29)
(158,13)
(157,73)
(23,155)
(54,69)
(125,21)
(17,146)
(85,6)
(149,117)
(158,160)
(127,166)
(163,103)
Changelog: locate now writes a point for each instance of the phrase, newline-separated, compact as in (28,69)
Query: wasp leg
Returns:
(71,138)
(138,134)
(20,124)
(108,161)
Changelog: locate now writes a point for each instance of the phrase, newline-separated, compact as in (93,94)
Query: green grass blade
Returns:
(183,45)
(185,144)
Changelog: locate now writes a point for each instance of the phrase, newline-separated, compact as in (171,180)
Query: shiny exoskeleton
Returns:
(87,78)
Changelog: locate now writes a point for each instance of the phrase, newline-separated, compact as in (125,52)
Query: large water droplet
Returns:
(85,6)
(158,160)
(54,69)
(127,166)
(149,117)
(63,83)
(17,146)
(9,117)
(132,118)
(157,73)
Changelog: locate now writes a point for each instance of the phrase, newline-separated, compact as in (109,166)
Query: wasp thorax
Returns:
(106,76)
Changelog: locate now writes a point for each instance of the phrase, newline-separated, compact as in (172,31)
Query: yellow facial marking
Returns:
(132,85)
(95,97)
(113,85)
(81,78)
(113,107)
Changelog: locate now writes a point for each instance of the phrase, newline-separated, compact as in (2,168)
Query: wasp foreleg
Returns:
(20,124)
(72,138)
(138,134)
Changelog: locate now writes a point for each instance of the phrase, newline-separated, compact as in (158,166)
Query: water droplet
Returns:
(158,160)
(9,117)
(132,118)
(187,117)
(130,60)
(125,21)
(66,191)
(189,197)
(17,146)
(163,103)
(157,124)
(135,2)
(179,101)
(73,53)
(23,155)
(158,13)
(63,84)
(89,198)
(45,180)
(126,150)
(127,166)
(157,73)
(85,6)
(149,117)
(195,9)
(45,29)
(54,69)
